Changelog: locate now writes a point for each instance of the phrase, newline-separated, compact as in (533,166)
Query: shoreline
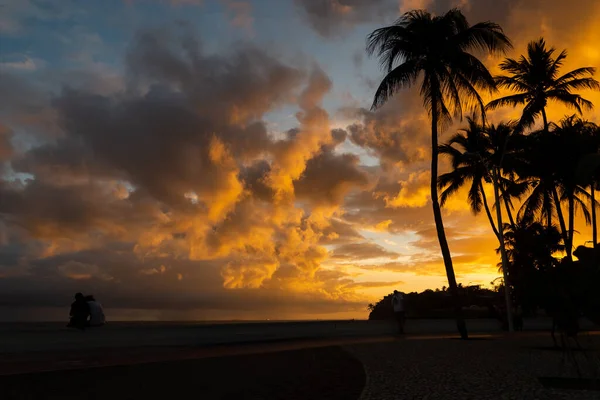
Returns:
(36,337)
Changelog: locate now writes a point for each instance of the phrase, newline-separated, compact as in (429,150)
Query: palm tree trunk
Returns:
(503,252)
(545,119)
(487,211)
(571,220)
(563,227)
(509,213)
(594,231)
(507,206)
(439,225)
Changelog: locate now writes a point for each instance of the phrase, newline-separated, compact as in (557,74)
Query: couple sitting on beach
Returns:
(85,312)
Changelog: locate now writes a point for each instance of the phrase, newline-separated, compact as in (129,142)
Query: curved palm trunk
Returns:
(548,207)
(487,210)
(559,211)
(509,213)
(563,227)
(594,230)
(507,206)
(439,225)
(545,119)
(503,252)
(571,221)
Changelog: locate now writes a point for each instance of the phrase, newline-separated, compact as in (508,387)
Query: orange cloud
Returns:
(179,190)
(414,192)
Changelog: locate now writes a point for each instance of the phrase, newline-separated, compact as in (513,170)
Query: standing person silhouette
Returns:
(398,305)
(79,313)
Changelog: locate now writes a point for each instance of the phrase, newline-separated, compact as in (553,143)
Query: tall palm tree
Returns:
(574,140)
(438,48)
(550,167)
(478,157)
(588,173)
(536,80)
(588,170)
(500,136)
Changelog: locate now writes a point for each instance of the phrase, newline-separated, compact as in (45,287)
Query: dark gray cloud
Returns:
(330,17)
(340,232)
(361,251)
(328,177)
(160,195)
(122,281)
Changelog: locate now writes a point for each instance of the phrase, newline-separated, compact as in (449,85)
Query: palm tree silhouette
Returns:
(438,48)
(575,139)
(530,249)
(536,80)
(535,169)
(484,150)
(588,172)
(549,163)
(469,152)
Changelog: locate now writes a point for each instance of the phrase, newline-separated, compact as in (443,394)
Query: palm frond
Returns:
(451,92)
(571,100)
(400,77)
(581,205)
(450,190)
(379,40)
(474,197)
(512,83)
(558,62)
(486,36)
(514,67)
(508,101)
(575,74)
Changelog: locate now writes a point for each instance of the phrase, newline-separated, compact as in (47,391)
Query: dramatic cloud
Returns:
(179,167)
(167,170)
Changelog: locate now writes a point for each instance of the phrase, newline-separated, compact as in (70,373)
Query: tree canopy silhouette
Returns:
(535,77)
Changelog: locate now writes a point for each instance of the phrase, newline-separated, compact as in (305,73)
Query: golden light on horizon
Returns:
(238,168)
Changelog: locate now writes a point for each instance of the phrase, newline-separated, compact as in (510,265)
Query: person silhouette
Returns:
(96,312)
(398,305)
(79,313)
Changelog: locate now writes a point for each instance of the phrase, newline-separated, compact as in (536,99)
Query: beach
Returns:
(362,360)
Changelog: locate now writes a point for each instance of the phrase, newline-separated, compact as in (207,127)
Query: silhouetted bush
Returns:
(476,303)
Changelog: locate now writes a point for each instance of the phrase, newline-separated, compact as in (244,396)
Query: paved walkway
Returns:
(496,368)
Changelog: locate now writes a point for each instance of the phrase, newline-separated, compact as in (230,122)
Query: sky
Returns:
(218,159)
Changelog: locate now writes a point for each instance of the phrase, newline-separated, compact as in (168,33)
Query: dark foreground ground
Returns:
(523,366)
(316,373)
(491,366)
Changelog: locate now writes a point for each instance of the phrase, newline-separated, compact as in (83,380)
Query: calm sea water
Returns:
(53,325)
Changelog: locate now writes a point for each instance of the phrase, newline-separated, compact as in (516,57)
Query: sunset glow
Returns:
(218,159)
